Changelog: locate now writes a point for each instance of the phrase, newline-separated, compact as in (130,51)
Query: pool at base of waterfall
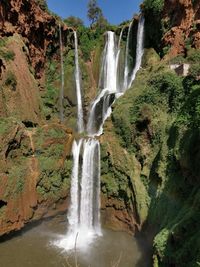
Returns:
(35,247)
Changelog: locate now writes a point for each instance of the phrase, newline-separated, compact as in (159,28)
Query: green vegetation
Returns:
(89,40)
(157,122)
(50,97)
(42,4)
(7,54)
(156,6)
(154,26)
(4,126)
(16,180)
(54,179)
(3,42)
(74,22)
(11,80)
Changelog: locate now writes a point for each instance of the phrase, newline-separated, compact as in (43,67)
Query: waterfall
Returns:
(78,88)
(90,187)
(108,67)
(139,49)
(84,211)
(62,76)
(117,60)
(126,68)
(73,215)
(101,107)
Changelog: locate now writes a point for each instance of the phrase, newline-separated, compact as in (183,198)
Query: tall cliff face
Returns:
(181,22)
(29,39)
(36,26)
(172,26)
(35,162)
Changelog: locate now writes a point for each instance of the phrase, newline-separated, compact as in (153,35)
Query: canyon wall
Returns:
(150,146)
(35,163)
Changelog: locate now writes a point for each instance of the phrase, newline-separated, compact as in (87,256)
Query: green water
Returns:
(34,247)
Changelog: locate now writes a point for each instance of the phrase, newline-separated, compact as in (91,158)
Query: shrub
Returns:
(169,84)
(194,56)
(7,55)
(160,242)
(11,80)
(155,6)
(178,60)
(42,4)
(195,71)
(73,21)
(153,23)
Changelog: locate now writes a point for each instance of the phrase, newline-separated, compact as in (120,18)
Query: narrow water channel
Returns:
(34,247)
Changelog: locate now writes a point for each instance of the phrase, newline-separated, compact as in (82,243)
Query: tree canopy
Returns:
(94,11)
(73,21)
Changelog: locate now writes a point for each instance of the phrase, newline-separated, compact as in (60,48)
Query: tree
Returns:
(94,11)
(42,4)
(73,21)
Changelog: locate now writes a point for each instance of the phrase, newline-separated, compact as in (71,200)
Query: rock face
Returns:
(182,21)
(18,87)
(35,173)
(38,29)
(29,38)
(35,163)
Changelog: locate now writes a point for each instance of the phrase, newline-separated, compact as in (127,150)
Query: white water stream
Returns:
(78,88)
(84,211)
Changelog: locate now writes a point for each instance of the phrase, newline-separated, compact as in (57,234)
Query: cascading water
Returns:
(139,49)
(78,88)
(84,211)
(90,187)
(73,214)
(62,75)
(119,85)
(126,67)
(108,87)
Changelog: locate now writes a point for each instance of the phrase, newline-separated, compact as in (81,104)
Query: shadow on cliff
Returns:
(174,212)
(144,241)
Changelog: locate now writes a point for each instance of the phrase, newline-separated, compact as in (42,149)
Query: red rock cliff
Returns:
(183,17)
(37,27)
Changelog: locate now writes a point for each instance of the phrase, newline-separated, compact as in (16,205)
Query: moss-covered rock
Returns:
(35,173)
(153,141)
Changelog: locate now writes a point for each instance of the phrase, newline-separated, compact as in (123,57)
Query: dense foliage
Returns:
(158,122)
(153,24)
(73,21)
(156,6)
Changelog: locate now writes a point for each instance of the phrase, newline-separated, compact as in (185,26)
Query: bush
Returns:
(7,55)
(73,21)
(156,6)
(11,80)
(195,71)
(153,24)
(42,4)
(88,40)
(169,84)
(178,60)
(194,56)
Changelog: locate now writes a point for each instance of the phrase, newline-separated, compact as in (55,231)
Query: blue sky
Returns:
(115,11)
